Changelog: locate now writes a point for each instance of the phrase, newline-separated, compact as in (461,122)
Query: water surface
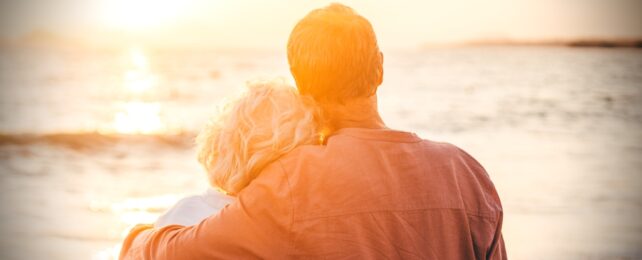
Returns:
(94,142)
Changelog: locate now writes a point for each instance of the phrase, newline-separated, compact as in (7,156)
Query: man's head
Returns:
(334,56)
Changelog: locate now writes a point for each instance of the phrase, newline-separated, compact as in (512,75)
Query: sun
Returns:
(141,14)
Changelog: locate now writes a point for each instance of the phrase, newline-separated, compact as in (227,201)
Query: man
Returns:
(369,192)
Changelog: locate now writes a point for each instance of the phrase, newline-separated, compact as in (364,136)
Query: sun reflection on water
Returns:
(138,78)
(138,58)
(136,116)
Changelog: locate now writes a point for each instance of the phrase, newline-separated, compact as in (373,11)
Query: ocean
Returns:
(95,141)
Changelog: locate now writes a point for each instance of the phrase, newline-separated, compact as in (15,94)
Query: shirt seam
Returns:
(290,228)
(417,140)
(490,216)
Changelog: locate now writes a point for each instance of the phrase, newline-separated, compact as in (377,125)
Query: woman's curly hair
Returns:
(267,121)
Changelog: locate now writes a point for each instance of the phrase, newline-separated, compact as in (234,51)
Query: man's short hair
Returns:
(334,56)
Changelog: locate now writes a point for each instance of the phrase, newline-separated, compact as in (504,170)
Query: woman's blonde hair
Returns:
(267,121)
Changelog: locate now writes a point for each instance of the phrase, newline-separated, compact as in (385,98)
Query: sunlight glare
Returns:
(138,79)
(110,253)
(138,58)
(139,118)
(141,14)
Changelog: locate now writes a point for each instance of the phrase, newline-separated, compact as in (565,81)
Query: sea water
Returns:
(95,141)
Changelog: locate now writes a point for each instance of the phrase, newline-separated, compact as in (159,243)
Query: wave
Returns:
(92,140)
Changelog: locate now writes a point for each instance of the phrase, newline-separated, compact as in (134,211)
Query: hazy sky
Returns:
(266,24)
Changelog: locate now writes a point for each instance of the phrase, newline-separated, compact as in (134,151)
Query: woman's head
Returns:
(267,121)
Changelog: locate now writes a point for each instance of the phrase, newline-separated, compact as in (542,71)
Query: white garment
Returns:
(193,209)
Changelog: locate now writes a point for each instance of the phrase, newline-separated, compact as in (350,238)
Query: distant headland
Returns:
(598,43)
(592,43)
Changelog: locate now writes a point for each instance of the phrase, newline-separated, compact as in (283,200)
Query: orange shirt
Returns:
(375,194)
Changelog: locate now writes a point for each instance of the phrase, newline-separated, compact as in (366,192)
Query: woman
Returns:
(267,121)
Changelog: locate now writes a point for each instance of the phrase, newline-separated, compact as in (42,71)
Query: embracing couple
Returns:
(313,172)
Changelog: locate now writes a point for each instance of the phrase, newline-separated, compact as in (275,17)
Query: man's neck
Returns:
(374,122)
(359,113)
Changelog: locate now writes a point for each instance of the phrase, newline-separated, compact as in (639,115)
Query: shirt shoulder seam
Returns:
(287,179)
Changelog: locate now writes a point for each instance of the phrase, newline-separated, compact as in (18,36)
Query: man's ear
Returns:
(380,74)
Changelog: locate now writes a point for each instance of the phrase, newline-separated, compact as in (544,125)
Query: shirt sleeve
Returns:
(498,252)
(497,249)
(256,225)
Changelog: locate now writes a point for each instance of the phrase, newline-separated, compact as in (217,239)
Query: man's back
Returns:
(389,194)
(366,194)
(372,194)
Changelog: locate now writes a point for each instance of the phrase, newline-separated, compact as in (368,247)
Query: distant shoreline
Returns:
(41,39)
(581,43)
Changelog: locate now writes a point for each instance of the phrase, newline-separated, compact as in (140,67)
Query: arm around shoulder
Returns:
(254,226)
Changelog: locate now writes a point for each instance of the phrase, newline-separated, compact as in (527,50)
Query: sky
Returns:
(266,24)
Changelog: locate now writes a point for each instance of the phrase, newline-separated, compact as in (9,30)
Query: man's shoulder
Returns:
(440,146)
(320,154)
(445,151)
(303,153)
(304,156)
(473,179)
(452,153)
(458,155)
